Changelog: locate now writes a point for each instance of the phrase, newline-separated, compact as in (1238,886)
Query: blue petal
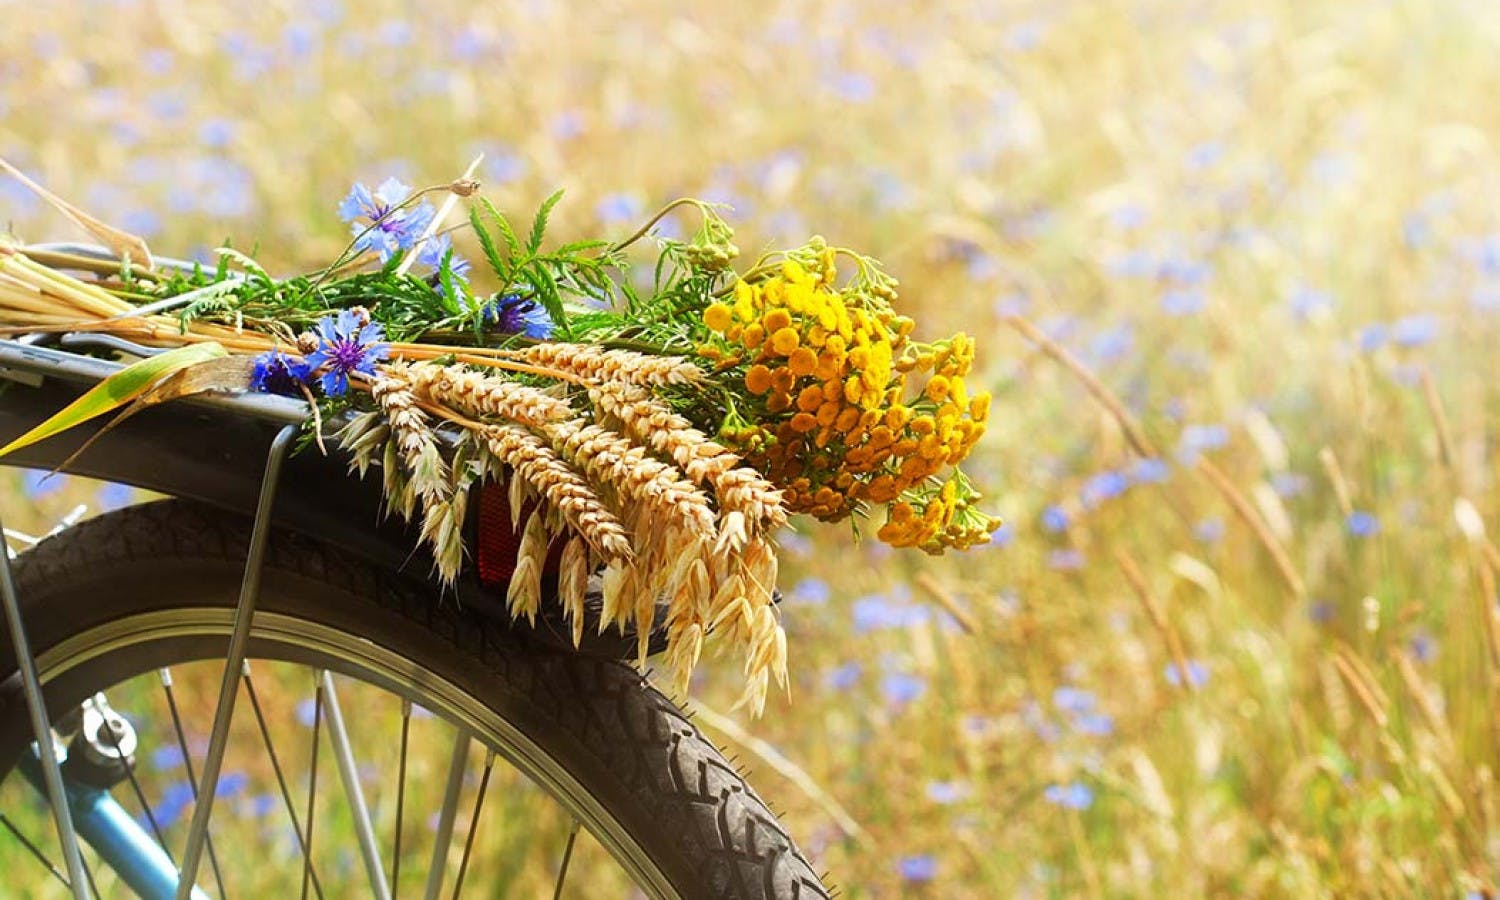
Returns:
(335,383)
(318,358)
(357,203)
(348,323)
(392,191)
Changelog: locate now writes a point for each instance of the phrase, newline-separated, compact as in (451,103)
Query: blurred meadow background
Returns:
(1234,270)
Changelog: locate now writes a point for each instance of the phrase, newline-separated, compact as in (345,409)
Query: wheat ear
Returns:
(599,365)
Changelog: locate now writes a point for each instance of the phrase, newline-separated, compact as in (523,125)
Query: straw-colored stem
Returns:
(1246,512)
(1091,383)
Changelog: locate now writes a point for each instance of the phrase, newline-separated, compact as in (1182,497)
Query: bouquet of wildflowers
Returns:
(661,435)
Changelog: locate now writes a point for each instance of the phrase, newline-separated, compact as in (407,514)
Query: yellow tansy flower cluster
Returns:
(832,418)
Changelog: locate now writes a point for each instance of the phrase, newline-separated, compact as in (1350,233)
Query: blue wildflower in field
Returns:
(1414,331)
(1362,524)
(1150,470)
(1423,647)
(1197,438)
(37,484)
(1183,302)
(275,372)
(306,712)
(616,208)
(1095,724)
(811,590)
(947,792)
(1209,531)
(917,869)
(113,496)
(379,222)
(1288,484)
(1103,486)
(843,677)
(167,756)
(1073,795)
(261,805)
(1373,336)
(1055,518)
(1074,701)
(231,784)
(347,343)
(1305,302)
(175,800)
(901,688)
(1197,674)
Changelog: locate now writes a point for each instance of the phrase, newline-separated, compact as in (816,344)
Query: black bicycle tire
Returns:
(669,787)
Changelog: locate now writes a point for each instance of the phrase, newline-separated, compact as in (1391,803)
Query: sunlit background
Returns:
(1259,659)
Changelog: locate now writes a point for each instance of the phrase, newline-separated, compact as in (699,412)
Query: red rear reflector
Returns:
(499,543)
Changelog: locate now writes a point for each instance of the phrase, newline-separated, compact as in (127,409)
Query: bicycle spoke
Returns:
(286,794)
(35,850)
(135,785)
(562,870)
(484,783)
(400,796)
(312,789)
(187,761)
(456,766)
(343,754)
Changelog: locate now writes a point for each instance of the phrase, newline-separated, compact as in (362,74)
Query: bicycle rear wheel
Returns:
(155,586)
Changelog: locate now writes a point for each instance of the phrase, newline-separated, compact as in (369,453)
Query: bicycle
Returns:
(283,558)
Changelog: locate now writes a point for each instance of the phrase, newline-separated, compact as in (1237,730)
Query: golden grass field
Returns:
(1252,650)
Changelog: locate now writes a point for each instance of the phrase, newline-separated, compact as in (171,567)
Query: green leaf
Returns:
(501,223)
(117,390)
(486,243)
(580,246)
(539,224)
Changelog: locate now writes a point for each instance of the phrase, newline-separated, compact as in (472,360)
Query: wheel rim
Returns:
(279,636)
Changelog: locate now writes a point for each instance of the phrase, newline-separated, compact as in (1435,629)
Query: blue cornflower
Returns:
(379,225)
(514,314)
(843,677)
(1373,336)
(900,688)
(1075,701)
(1362,524)
(1103,486)
(231,784)
(435,249)
(917,868)
(1055,518)
(1210,530)
(1197,674)
(277,373)
(1073,795)
(1150,471)
(1095,724)
(947,792)
(347,344)
(1414,331)
(1183,302)
(811,590)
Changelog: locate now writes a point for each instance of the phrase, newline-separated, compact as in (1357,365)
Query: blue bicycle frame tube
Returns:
(118,839)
